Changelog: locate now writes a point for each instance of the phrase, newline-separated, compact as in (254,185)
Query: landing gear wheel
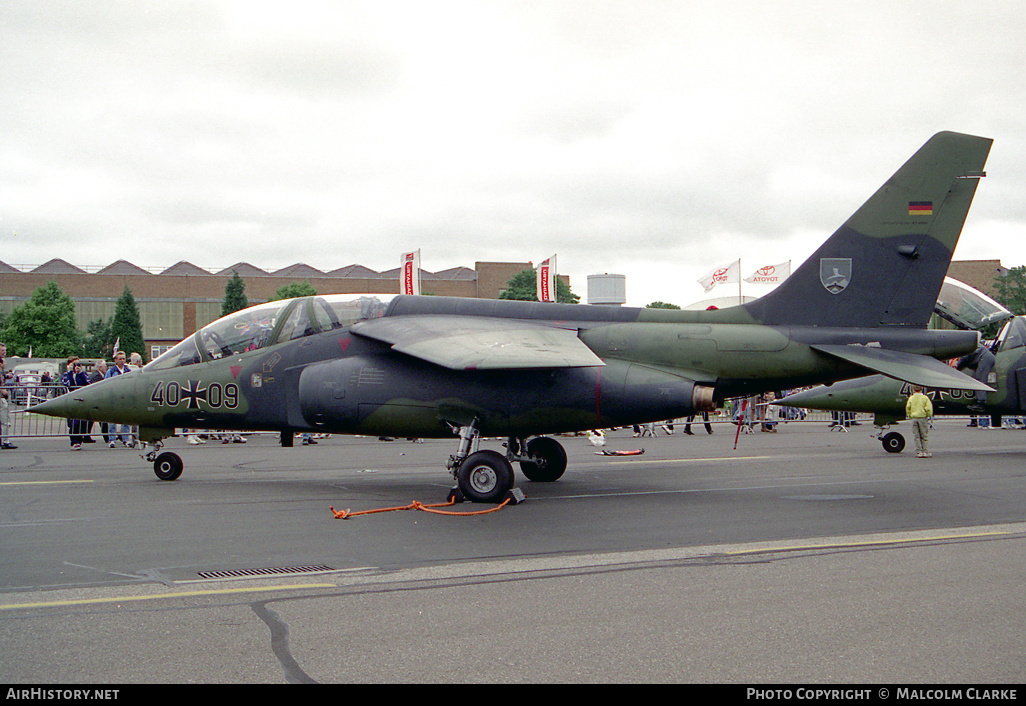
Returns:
(485,477)
(551,460)
(893,442)
(168,466)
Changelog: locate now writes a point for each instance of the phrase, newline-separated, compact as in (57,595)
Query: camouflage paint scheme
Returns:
(422,366)
(885,397)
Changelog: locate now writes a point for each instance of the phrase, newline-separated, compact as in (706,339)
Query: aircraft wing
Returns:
(910,367)
(480,343)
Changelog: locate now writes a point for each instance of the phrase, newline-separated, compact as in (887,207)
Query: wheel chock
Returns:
(515,496)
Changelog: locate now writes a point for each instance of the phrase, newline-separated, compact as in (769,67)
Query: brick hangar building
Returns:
(177,301)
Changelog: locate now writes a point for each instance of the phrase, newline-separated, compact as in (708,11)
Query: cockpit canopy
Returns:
(968,308)
(272,323)
(1013,335)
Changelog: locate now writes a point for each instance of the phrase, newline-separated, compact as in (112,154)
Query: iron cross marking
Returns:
(194,394)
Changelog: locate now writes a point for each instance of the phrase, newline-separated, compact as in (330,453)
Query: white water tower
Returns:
(607,289)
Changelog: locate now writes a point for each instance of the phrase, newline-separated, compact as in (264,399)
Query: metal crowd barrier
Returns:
(21,423)
(25,424)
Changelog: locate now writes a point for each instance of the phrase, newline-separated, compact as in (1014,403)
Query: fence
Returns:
(25,424)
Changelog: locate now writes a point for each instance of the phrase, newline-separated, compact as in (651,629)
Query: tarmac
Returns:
(801,556)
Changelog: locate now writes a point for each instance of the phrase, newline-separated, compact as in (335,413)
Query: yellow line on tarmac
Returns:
(42,482)
(155,596)
(871,543)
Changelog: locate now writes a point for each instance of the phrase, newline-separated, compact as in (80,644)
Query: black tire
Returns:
(551,462)
(168,466)
(485,477)
(893,443)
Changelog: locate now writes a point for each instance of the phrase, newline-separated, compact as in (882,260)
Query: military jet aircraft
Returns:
(432,367)
(1001,365)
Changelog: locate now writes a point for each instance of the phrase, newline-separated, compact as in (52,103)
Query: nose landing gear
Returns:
(892,441)
(167,465)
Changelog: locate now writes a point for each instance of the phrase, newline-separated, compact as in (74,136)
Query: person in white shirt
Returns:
(119,431)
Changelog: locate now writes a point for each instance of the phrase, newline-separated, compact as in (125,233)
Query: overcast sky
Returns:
(652,139)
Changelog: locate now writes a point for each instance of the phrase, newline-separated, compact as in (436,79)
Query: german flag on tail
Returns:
(920,208)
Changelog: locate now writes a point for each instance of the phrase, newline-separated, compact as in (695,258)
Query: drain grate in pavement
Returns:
(278,571)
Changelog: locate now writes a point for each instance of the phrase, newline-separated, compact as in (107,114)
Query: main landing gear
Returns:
(487,476)
(482,476)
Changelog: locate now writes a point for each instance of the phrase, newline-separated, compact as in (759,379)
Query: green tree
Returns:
(45,323)
(98,342)
(523,286)
(294,289)
(234,295)
(126,326)
(661,305)
(1010,290)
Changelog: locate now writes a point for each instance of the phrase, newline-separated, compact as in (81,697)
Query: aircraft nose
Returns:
(96,402)
(72,405)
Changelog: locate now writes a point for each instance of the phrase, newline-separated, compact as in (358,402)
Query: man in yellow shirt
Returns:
(920,410)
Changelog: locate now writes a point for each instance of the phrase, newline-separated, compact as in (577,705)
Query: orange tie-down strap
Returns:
(513,497)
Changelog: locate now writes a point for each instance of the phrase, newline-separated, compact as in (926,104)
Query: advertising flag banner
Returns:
(547,280)
(770,274)
(721,275)
(409,273)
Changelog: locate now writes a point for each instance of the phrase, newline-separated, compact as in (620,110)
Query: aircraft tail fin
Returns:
(886,264)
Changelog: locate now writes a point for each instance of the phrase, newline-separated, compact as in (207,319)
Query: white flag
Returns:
(722,275)
(770,274)
(547,280)
(409,273)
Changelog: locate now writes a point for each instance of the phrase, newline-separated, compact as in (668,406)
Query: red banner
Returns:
(547,280)
(409,278)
